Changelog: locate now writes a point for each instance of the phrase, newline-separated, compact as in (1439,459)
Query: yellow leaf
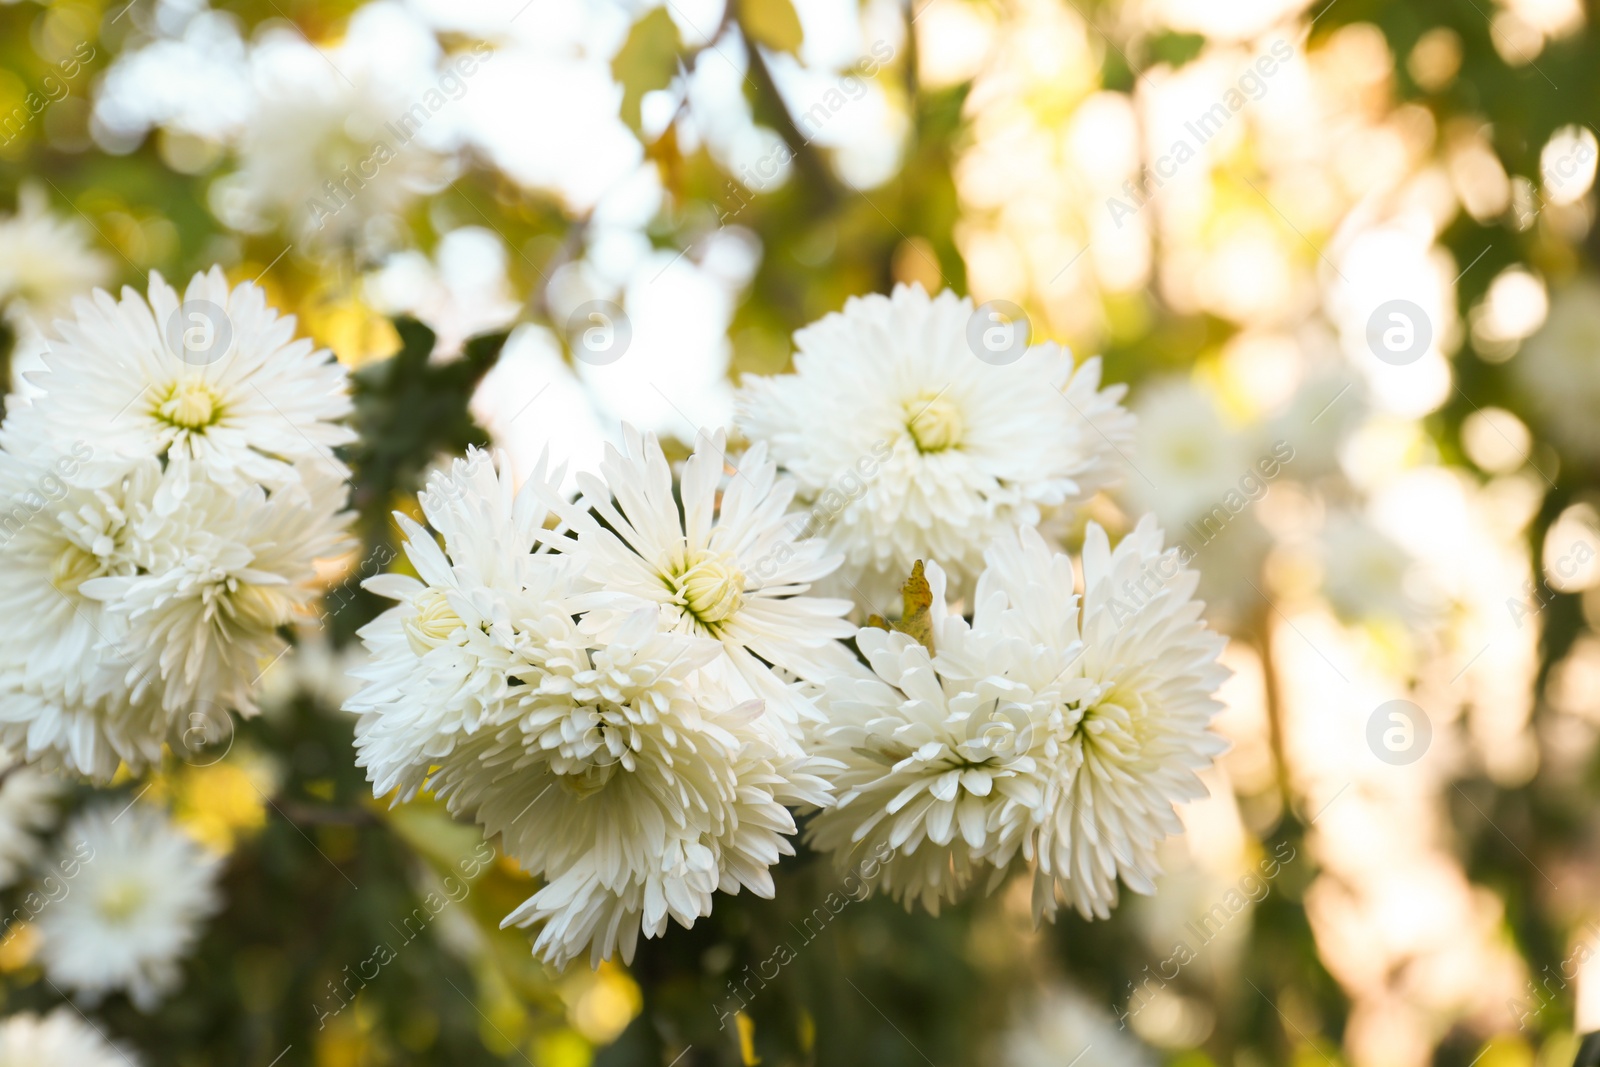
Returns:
(772,23)
(915,620)
(647,60)
(918,599)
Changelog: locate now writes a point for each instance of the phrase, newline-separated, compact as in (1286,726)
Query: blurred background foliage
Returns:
(1409,150)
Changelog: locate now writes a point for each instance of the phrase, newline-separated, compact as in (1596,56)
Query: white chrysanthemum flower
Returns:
(60,703)
(219,572)
(611,764)
(432,679)
(1146,731)
(1365,572)
(642,789)
(135,908)
(910,447)
(28,800)
(724,564)
(338,136)
(1061,1026)
(1187,458)
(1061,731)
(215,377)
(61,1039)
(45,260)
(87,734)
(1556,368)
(127,603)
(1325,410)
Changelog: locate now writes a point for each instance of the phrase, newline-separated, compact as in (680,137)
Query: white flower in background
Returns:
(1229,562)
(914,448)
(1061,1026)
(537,409)
(1186,457)
(1062,732)
(459,294)
(135,908)
(316,669)
(220,382)
(725,564)
(340,136)
(45,260)
(219,572)
(63,1038)
(641,785)
(1325,410)
(1364,571)
(1557,369)
(28,800)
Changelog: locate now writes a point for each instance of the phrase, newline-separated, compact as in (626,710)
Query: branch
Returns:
(317,815)
(819,176)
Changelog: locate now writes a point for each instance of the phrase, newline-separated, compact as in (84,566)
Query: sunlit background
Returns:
(1222,197)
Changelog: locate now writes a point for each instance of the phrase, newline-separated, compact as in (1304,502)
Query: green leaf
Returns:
(647,60)
(409,411)
(1174,48)
(772,23)
(452,847)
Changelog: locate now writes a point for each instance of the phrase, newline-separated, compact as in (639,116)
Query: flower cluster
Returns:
(166,488)
(615,701)
(1058,727)
(632,689)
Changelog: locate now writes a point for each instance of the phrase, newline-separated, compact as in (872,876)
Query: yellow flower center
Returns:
(73,567)
(1190,455)
(119,901)
(935,422)
(711,588)
(190,405)
(433,623)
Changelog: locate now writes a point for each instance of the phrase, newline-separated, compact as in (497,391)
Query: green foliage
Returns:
(1174,49)
(649,59)
(771,23)
(411,411)
(309,898)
